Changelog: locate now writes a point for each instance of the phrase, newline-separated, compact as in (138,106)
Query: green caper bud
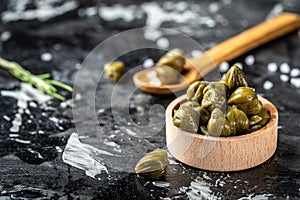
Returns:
(174,58)
(254,119)
(167,75)
(114,70)
(193,104)
(195,91)
(264,114)
(218,125)
(246,100)
(186,118)
(153,164)
(235,78)
(214,95)
(254,128)
(204,114)
(238,120)
(204,130)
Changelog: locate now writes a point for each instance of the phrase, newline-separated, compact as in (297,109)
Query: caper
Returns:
(167,75)
(235,78)
(195,91)
(114,70)
(264,114)
(254,128)
(202,112)
(254,119)
(214,95)
(238,120)
(153,164)
(186,118)
(218,125)
(246,100)
(204,130)
(174,58)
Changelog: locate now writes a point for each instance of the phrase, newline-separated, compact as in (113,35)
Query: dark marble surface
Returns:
(45,159)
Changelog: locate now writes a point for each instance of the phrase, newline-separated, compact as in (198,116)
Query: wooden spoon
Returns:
(225,51)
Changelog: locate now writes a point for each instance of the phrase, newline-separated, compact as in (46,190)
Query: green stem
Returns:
(41,82)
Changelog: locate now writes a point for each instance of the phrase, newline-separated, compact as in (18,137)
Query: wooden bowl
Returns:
(222,153)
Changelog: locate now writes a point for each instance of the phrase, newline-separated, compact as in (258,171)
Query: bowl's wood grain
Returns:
(222,153)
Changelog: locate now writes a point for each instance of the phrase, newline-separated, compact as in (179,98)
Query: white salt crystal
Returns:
(295,72)
(163,43)
(6,118)
(295,82)
(78,66)
(213,7)
(148,63)
(32,104)
(91,11)
(151,75)
(155,82)
(272,67)
(196,53)
(239,65)
(285,68)
(223,67)
(46,56)
(284,78)
(56,47)
(6,35)
(249,60)
(268,85)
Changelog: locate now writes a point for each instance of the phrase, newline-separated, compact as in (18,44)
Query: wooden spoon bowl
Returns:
(222,153)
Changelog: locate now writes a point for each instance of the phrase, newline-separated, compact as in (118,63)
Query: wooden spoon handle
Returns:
(247,40)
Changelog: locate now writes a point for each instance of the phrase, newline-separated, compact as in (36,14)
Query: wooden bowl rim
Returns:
(266,103)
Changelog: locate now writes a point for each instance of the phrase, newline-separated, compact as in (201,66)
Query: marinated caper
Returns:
(202,112)
(153,164)
(214,95)
(235,78)
(167,75)
(114,70)
(218,125)
(195,91)
(174,58)
(264,114)
(238,120)
(246,100)
(186,118)
(254,119)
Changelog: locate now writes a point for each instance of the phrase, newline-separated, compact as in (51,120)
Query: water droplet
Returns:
(6,35)
(163,43)
(268,85)
(272,67)
(284,78)
(249,60)
(295,82)
(285,68)
(148,63)
(223,67)
(46,57)
(295,72)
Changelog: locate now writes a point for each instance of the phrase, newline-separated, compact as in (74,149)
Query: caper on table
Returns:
(153,164)
(114,70)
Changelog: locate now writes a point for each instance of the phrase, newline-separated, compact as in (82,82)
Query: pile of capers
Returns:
(169,66)
(224,108)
